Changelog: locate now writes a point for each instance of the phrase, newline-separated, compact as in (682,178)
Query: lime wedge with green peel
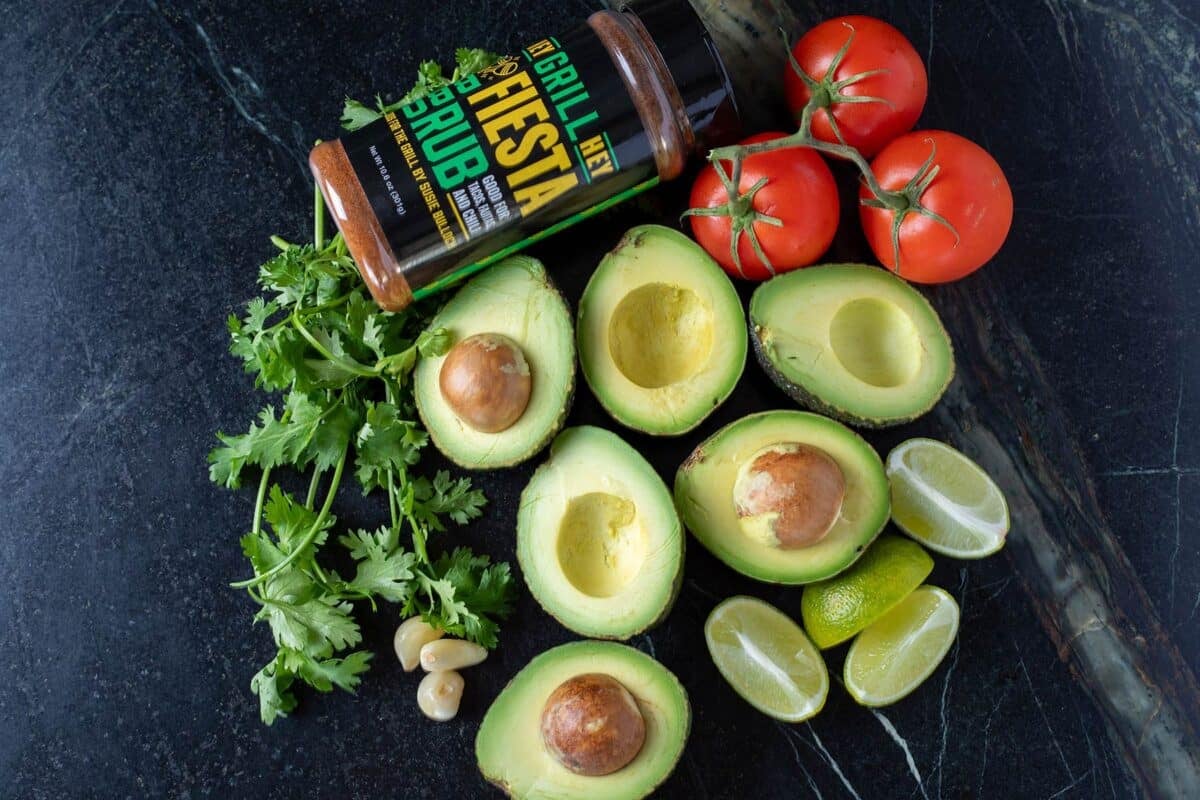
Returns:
(767,659)
(839,607)
(945,500)
(899,652)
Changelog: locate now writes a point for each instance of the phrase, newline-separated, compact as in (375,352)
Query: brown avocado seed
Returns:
(789,495)
(592,725)
(485,381)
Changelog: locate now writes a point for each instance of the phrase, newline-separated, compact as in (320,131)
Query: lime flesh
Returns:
(767,659)
(945,500)
(896,654)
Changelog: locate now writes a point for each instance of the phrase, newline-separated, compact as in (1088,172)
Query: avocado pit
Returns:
(485,380)
(592,725)
(789,495)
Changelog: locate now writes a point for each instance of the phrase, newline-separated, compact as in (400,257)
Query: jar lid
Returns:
(692,58)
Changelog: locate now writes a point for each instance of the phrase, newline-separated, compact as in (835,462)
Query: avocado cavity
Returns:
(876,342)
(598,539)
(601,545)
(662,335)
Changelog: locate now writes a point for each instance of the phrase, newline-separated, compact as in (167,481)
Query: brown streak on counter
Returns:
(1062,548)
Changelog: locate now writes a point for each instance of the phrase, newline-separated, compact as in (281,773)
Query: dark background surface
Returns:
(148,151)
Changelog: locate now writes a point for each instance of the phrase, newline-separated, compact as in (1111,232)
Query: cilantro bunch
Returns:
(342,368)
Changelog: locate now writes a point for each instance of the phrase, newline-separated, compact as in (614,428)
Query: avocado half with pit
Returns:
(784,496)
(577,711)
(852,341)
(504,388)
(598,539)
(661,331)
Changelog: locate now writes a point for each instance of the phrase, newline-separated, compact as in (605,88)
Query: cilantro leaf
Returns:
(385,442)
(325,673)
(271,684)
(383,569)
(469,60)
(445,496)
(430,77)
(267,444)
(355,115)
(318,625)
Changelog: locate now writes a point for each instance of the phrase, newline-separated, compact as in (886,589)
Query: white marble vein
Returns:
(1070,786)
(787,734)
(1041,710)
(833,764)
(903,744)
(987,731)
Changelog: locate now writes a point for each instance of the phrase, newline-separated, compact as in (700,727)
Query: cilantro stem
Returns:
(318,217)
(393,506)
(350,366)
(256,528)
(309,536)
(313,483)
(328,304)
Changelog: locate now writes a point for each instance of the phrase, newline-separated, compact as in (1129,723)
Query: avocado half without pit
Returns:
(504,388)
(661,331)
(587,720)
(784,496)
(598,539)
(852,341)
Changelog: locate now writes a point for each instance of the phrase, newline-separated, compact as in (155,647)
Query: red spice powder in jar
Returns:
(562,130)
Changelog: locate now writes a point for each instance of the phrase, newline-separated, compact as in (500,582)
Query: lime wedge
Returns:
(839,607)
(897,653)
(767,659)
(945,501)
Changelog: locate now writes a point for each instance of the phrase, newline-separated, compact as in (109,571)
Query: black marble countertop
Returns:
(150,148)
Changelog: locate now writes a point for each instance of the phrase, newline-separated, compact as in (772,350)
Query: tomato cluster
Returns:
(934,206)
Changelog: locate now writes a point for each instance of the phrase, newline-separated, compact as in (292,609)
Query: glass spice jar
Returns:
(566,128)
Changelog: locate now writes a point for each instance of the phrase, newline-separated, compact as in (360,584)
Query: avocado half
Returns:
(509,746)
(514,298)
(598,539)
(852,341)
(661,331)
(704,496)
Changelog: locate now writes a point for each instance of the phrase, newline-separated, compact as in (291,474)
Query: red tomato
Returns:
(969,191)
(799,192)
(874,45)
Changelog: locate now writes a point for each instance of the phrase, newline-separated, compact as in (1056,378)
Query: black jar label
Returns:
(472,170)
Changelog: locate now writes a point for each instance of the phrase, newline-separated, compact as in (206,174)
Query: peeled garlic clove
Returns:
(447,654)
(413,634)
(440,694)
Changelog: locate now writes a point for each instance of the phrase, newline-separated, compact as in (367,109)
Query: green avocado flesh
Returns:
(598,539)
(662,338)
(704,496)
(514,298)
(852,341)
(509,745)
